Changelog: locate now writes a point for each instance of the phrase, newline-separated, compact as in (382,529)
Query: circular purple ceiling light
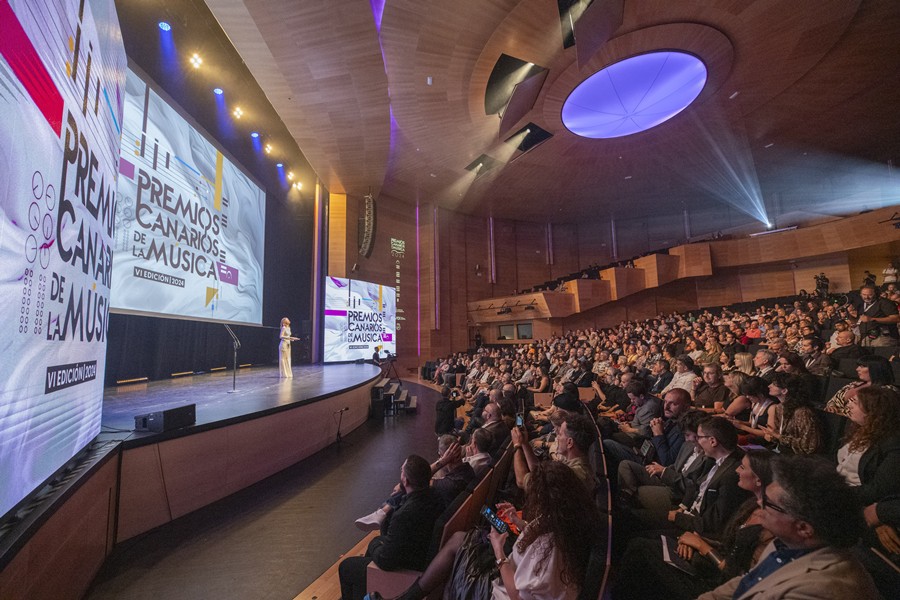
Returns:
(634,94)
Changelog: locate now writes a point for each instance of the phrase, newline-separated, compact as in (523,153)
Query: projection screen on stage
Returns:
(63,74)
(190,225)
(359,316)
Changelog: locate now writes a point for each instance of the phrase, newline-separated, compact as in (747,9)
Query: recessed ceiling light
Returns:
(429,80)
(432,174)
(628,177)
(769,145)
(165,26)
(733,96)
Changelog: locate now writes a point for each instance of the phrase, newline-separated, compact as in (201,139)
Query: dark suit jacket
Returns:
(669,444)
(658,384)
(721,500)
(499,438)
(679,482)
(879,471)
(851,351)
(406,535)
(820,365)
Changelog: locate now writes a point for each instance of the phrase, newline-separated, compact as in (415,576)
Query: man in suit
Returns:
(815,518)
(406,535)
(657,487)
(845,347)
(764,362)
(816,361)
(707,508)
(660,377)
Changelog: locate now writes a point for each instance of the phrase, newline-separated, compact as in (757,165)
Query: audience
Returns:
(873,371)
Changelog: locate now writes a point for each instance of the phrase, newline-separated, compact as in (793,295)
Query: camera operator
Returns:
(445,410)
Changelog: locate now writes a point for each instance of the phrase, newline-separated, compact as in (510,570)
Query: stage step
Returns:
(391,390)
(401,400)
(411,407)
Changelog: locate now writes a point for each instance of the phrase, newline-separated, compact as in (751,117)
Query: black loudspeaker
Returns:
(167,420)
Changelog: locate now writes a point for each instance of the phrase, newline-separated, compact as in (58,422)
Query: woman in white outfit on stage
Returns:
(284,349)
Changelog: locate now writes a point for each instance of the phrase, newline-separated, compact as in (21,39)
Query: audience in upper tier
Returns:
(706,424)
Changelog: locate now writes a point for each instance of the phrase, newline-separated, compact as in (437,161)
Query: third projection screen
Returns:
(359,317)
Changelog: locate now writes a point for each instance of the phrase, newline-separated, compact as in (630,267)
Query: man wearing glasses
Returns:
(816,519)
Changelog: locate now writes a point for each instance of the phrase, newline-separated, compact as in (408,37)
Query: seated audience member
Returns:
(878,318)
(660,377)
(451,473)
(611,396)
(738,407)
(497,427)
(406,536)
(755,391)
(707,508)
(445,411)
(634,426)
(645,574)
(764,361)
(541,383)
(743,362)
(870,462)
(684,374)
(477,453)
(658,487)
(665,434)
(873,371)
(709,391)
(574,438)
(816,519)
(795,425)
(844,347)
(814,357)
(549,559)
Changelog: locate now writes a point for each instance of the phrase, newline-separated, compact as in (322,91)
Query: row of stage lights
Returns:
(196,61)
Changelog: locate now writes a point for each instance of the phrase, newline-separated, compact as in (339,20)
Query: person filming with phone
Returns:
(559,525)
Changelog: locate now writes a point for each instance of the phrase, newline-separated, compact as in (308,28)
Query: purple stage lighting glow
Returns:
(165,26)
(254,135)
(634,94)
(218,91)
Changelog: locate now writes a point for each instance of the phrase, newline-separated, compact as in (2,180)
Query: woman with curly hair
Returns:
(870,460)
(796,426)
(549,560)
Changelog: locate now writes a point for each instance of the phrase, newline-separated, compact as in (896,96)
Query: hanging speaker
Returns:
(367,241)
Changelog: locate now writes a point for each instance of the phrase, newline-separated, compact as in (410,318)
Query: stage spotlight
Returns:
(254,134)
(279,165)
(196,61)
(218,91)
(165,26)
(238,113)
(298,186)
(290,175)
(268,148)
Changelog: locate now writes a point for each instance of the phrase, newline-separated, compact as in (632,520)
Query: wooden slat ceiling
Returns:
(811,76)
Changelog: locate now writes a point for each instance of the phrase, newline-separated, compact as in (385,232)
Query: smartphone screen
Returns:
(495,521)
(519,421)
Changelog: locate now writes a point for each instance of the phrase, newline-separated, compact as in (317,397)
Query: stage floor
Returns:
(259,390)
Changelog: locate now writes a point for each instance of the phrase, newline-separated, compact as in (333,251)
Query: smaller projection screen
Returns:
(359,317)
(190,225)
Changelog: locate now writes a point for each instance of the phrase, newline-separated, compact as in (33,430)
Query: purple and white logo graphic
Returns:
(227,274)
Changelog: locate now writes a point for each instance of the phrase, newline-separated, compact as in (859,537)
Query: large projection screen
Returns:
(62,75)
(190,225)
(359,317)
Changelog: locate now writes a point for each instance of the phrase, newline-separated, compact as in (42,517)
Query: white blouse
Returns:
(536,583)
(848,464)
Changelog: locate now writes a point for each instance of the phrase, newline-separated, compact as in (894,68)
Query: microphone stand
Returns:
(338,439)
(237,344)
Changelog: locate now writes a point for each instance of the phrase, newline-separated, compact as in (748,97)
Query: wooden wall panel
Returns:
(594,245)
(721,290)
(505,257)
(766,281)
(695,260)
(623,281)
(478,283)
(590,293)
(873,259)
(834,266)
(531,255)
(566,259)
(163,481)
(457,292)
(641,305)
(659,269)
(678,296)
(834,236)
(338,234)
(63,556)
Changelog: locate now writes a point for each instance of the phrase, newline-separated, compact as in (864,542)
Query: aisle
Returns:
(273,539)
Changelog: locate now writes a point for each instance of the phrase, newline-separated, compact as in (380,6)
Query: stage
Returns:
(259,392)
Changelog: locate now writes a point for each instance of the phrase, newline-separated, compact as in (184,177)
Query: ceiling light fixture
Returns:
(268,148)
(218,91)
(769,145)
(196,61)
(279,165)
(165,26)
(254,134)
(238,113)
(290,175)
